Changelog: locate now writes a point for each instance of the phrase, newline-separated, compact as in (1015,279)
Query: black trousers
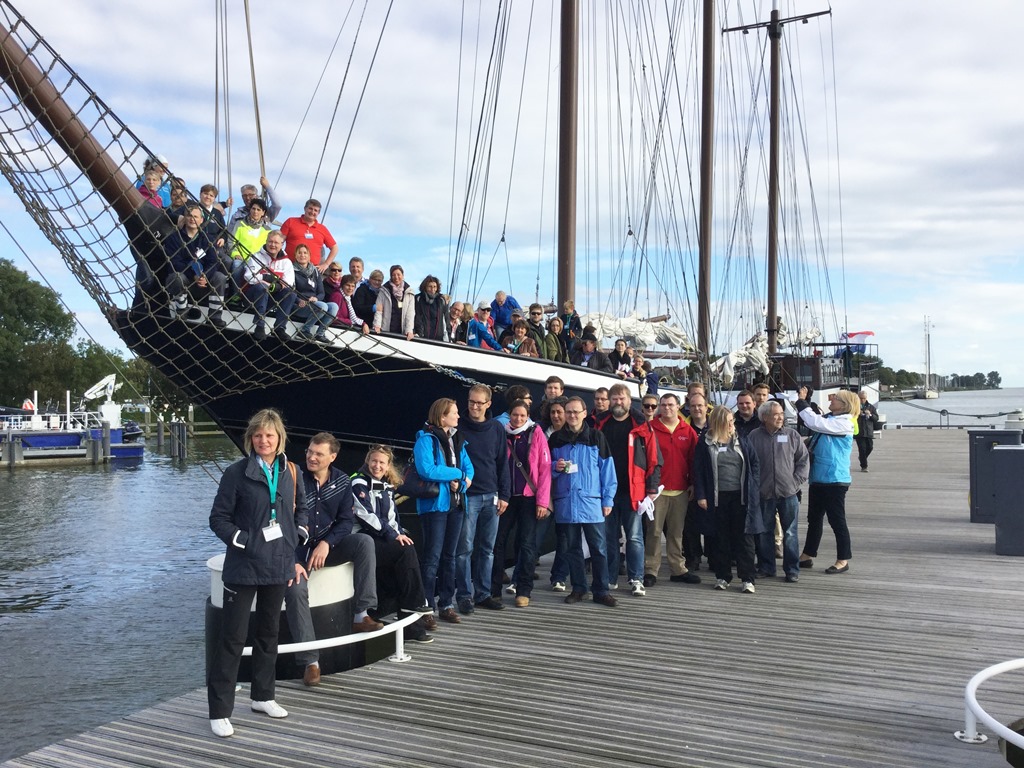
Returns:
(731,539)
(864,447)
(827,500)
(398,577)
(223,672)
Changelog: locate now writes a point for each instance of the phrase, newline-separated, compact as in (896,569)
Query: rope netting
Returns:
(74,165)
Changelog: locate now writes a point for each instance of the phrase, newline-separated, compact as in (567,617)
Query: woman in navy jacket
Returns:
(260,514)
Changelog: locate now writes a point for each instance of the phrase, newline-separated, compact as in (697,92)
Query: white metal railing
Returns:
(973,711)
(76,420)
(355,637)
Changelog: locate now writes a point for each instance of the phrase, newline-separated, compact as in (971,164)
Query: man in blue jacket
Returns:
(583,486)
(331,542)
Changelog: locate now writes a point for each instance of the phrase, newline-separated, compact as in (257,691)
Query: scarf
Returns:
(508,427)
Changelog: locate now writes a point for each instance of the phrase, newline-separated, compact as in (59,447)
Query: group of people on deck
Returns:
(237,258)
(711,480)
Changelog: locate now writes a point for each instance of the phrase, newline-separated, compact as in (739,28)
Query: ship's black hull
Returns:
(378,394)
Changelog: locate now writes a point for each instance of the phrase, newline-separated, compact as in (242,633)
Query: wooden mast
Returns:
(772,312)
(707,181)
(774,27)
(568,118)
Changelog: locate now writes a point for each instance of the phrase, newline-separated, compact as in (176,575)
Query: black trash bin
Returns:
(982,441)
(1008,471)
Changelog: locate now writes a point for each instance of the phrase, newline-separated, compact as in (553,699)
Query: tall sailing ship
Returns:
(644,126)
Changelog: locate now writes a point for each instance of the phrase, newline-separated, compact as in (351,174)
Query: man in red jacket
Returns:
(677,442)
(638,471)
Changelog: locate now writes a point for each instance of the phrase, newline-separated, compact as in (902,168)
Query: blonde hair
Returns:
(268,418)
(851,401)
(392,475)
(718,425)
(439,410)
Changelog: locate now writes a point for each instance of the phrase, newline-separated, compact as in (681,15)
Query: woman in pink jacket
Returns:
(530,471)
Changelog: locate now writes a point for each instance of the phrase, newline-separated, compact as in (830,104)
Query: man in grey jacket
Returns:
(785,464)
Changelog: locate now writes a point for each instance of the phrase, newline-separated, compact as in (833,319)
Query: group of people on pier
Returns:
(613,480)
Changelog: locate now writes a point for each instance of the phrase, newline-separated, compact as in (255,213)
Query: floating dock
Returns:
(862,670)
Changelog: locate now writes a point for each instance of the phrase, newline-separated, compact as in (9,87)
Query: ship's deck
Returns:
(864,669)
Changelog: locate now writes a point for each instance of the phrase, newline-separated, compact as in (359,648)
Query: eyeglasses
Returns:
(480,404)
(650,406)
(574,413)
(334,270)
(536,314)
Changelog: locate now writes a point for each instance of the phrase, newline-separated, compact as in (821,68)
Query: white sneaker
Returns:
(723,584)
(558,586)
(638,588)
(222,727)
(271,708)
(748,587)
(510,589)
(613,586)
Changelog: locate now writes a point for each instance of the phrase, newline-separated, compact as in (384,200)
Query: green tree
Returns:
(35,336)
(994,380)
(978,380)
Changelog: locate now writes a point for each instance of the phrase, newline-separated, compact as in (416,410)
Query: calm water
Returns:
(103,580)
(102,590)
(963,407)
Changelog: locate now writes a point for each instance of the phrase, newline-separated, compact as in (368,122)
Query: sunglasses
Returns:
(650,406)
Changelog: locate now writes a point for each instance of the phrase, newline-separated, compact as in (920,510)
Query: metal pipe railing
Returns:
(973,711)
(355,637)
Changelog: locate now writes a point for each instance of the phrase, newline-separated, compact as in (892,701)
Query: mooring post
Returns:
(159,432)
(106,441)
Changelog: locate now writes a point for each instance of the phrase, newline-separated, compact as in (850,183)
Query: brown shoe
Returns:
(522,602)
(312,675)
(367,625)
(449,615)
(606,599)
(428,622)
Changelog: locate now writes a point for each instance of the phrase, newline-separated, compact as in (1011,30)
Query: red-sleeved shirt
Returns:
(314,235)
(677,449)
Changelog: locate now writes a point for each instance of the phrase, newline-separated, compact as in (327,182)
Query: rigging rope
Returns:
(945,412)
(255,97)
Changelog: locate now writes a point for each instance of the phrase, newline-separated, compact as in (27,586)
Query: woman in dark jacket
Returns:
(431,317)
(260,514)
(311,306)
(727,487)
(365,298)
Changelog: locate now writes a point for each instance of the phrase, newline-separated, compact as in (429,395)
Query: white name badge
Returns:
(722,449)
(781,439)
(571,468)
(272,531)
(309,235)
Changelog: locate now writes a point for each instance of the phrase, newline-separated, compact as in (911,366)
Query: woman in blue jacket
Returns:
(440,456)
(831,445)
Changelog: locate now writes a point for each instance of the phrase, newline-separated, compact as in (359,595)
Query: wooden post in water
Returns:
(159,432)
(105,425)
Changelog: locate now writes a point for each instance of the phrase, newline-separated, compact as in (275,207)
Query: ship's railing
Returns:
(973,711)
(69,422)
(358,637)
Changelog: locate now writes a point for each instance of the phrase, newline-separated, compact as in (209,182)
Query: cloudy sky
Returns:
(932,168)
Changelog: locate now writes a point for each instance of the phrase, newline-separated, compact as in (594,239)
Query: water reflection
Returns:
(102,588)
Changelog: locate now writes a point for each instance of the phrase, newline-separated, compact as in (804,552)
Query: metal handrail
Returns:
(973,711)
(355,637)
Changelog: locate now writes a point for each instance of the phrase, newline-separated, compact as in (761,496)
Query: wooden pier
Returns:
(861,670)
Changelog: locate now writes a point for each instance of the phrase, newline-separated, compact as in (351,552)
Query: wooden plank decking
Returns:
(864,669)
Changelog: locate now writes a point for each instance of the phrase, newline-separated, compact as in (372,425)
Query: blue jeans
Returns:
(623,515)
(474,557)
(441,532)
(573,534)
(284,301)
(317,312)
(788,508)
